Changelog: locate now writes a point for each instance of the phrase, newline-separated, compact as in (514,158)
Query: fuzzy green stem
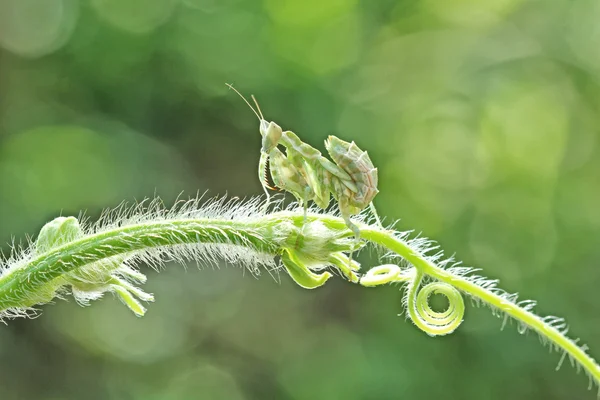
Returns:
(17,287)
(267,234)
(523,316)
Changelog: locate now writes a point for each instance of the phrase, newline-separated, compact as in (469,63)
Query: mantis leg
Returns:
(303,201)
(262,176)
(338,172)
(289,174)
(310,185)
(347,210)
(351,225)
(307,193)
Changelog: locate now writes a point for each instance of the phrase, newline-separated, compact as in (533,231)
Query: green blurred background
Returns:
(481,115)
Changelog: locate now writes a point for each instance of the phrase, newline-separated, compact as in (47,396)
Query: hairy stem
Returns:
(18,286)
(88,261)
(520,314)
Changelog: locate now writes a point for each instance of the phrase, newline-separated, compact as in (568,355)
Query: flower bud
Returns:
(57,232)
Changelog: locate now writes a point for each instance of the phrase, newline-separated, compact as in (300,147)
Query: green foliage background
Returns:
(483,117)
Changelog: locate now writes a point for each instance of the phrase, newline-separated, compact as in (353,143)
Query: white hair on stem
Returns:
(240,232)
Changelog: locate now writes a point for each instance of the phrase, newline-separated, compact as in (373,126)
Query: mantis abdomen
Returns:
(358,165)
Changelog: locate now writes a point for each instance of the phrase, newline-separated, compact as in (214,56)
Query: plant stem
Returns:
(18,286)
(521,315)
(265,234)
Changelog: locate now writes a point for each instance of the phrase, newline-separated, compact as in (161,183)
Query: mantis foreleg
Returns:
(262,176)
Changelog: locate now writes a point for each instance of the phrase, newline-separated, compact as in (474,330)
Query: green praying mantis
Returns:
(351,179)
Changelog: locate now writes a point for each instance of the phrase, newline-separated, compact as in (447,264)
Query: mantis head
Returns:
(271,133)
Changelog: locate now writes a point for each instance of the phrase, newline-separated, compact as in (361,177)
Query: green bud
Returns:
(57,232)
(316,246)
(314,242)
(90,281)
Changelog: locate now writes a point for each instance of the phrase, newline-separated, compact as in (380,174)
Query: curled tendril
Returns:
(381,275)
(432,322)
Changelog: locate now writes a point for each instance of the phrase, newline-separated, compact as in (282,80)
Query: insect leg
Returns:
(346,216)
(262,176)
(307,192)
(291,141)
(344,197)
(313,188)
(290,177)
(347,210)
(344,177)
(319,190)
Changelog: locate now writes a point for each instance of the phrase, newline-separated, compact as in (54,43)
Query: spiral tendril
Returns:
(432,322)
(381,275)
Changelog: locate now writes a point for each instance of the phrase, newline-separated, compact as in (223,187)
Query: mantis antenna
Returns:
(257,106)
(262,166)
(259,116)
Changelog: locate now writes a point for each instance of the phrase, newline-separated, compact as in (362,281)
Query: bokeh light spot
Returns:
(307,13)
(321,50)
(204,382)
(136,16)
(583,33)
(32,28)
(473,13)
(306,373)
(73,167)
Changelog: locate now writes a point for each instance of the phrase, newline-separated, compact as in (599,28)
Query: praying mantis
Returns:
(351,179)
